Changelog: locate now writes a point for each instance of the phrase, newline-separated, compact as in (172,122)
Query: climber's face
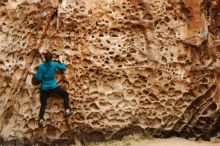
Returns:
(48,56)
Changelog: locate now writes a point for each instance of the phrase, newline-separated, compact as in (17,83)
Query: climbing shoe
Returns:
(68,113)
(41,122)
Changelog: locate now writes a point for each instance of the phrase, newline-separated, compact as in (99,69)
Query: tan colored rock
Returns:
(132,65)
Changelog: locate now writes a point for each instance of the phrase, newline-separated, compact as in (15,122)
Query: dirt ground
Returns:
(140,141)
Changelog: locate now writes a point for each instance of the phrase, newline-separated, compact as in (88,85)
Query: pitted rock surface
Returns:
(132,65)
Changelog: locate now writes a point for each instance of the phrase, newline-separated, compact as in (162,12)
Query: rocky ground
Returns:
(140,141)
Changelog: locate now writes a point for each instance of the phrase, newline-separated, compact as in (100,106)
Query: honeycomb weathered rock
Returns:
(132,65)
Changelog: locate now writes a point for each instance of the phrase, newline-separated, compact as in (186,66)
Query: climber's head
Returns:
(48,56)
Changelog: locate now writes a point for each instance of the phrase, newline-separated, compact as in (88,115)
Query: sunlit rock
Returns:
(132,65)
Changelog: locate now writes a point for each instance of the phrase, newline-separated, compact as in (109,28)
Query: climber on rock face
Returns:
(46,74)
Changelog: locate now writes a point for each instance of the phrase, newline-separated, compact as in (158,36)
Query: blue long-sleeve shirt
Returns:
(46,74)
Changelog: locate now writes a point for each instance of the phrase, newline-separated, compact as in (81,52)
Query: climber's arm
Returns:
(39,74)
(61,66)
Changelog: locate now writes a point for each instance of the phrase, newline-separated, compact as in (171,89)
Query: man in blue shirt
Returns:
(46,74)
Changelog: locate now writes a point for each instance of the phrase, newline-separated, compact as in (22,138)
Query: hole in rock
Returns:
(52,131)
(179,102)
(148,16)
(67,47)
(153,97)
(108,41)
(119,66)
(101,35)
(94,106)
(210,109)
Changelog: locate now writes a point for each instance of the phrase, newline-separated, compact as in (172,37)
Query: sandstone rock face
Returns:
(132,65)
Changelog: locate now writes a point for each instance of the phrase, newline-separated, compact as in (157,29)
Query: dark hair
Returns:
(48,56)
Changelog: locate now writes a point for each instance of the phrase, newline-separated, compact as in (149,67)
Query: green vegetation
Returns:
(146,135)
(125,141)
